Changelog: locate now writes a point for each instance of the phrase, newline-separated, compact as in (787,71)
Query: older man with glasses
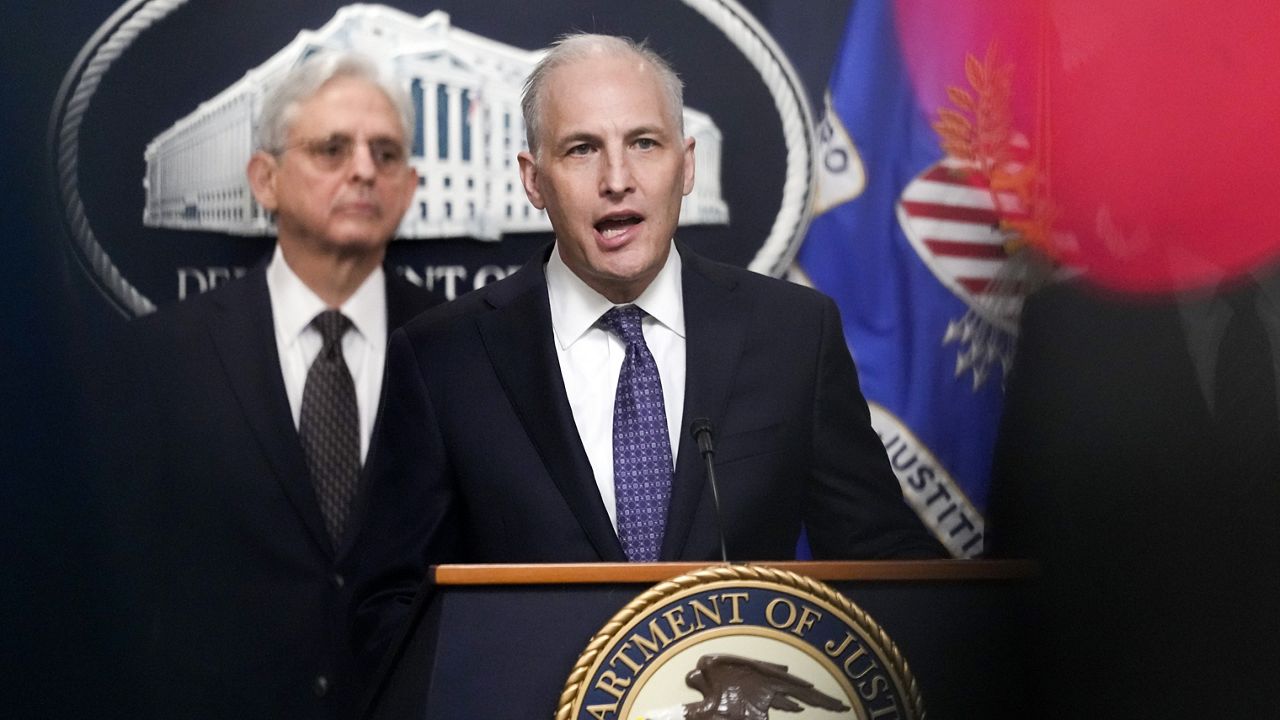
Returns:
(252,412)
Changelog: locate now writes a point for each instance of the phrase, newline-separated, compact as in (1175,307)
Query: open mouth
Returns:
(615,226)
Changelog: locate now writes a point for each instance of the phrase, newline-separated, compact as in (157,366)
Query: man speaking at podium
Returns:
(544,418)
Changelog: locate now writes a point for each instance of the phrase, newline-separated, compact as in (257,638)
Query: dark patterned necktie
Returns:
(1245,391)
(329,425)
(642,466)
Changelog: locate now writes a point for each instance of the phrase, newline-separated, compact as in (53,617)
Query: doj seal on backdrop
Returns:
(737,643)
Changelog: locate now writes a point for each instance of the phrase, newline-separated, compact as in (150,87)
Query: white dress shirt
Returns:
(591,358)
(364,347)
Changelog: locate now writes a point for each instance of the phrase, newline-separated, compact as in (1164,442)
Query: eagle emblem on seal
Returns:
(740,688)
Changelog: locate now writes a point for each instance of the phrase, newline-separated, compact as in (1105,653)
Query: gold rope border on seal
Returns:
(719,573)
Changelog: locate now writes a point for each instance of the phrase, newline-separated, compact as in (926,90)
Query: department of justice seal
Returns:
(734,643)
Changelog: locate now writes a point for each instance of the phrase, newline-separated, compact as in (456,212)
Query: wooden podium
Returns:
(499,641)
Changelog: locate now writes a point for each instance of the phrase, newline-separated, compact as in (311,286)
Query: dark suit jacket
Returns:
(1157,563)
(479,460)
(241,598)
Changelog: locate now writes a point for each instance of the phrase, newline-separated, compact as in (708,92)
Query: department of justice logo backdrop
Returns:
(157,118)
(736,643)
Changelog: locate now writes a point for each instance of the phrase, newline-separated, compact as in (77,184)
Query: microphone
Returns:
(701,430)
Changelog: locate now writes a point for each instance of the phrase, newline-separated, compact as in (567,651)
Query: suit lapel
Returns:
(716,321)
(518,338)
(1174,396)
(404,299)
(244,337)
(404,302)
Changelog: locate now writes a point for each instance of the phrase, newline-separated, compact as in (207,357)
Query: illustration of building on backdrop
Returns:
(466,92)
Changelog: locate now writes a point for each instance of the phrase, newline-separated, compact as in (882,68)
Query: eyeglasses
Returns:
(334,152)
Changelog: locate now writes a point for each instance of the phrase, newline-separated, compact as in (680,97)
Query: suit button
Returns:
(321,686)
(339,581)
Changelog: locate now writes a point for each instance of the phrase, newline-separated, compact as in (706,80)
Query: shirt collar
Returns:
(294,305)
(575,306)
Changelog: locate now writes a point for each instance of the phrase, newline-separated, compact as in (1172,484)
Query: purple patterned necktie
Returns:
(329,425)
(642,467)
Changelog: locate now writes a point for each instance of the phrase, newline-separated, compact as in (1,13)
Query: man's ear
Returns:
(688,165)
(262,171)
(529,178)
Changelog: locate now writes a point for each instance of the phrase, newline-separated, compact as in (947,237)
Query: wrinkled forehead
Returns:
(582,88)
(345,105)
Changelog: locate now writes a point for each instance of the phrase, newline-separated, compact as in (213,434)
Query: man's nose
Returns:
(616,177)
(363,168)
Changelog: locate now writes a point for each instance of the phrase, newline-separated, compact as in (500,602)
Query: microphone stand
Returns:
(701,429)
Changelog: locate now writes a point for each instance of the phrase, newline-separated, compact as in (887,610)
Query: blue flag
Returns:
(919,211)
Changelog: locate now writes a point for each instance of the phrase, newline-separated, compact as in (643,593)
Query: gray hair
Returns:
(303,81)
(581,46)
